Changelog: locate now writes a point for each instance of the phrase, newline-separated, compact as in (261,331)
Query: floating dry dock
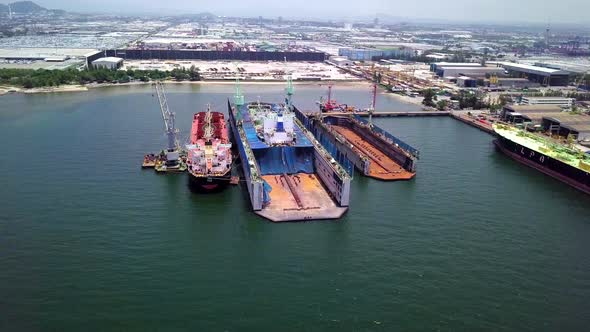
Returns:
(373,151)
(289,175)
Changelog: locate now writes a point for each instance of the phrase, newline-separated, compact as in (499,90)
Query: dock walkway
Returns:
(395,114)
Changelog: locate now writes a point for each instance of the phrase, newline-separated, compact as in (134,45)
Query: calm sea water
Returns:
(89,241)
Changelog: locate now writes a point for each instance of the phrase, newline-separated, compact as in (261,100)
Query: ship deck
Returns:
(256,143)
(382,167)
(299,197)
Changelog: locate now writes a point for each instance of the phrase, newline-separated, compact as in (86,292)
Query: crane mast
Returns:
(289,89)
(371,108)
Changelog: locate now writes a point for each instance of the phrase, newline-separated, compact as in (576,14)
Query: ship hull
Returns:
(545,164)
(214,141)
(205,184)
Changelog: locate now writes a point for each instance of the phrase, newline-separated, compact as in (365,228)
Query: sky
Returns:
(501,11)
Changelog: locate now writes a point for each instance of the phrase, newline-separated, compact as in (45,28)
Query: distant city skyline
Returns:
(500,11)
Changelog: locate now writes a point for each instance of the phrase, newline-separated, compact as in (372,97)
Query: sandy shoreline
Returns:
(406,99)
(78,88)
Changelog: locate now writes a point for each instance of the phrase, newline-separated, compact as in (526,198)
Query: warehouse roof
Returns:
(457,64)
(573,122)
(533,108)
(110,59)
(471,68)
(534,69)
(44,52)
(536,117)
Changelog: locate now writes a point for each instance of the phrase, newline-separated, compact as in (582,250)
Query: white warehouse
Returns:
(469,71)
(108,62)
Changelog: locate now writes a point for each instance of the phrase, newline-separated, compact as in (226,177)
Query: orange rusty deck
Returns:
(305,198)
(382,167)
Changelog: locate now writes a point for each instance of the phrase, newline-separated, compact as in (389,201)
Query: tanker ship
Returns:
(209,152)
(288,173)
(546,155)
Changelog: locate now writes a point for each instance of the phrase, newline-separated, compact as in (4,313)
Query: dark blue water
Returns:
(89,241)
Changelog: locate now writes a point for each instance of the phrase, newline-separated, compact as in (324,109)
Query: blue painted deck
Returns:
(256,143)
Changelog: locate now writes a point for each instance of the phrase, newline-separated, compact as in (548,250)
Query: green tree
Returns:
(441,105)
(27,83)
(428,98)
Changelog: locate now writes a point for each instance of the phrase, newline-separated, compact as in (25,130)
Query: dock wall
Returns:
(255,186)
(361,163)
(339,188)
(399,157)
(339,150)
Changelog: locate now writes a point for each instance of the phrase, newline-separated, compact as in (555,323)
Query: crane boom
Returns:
(168,117)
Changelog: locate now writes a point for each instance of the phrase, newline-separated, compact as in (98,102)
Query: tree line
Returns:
(30,78)
(465,99)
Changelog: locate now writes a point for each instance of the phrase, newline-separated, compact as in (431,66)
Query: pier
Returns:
(392,114)
(472,120)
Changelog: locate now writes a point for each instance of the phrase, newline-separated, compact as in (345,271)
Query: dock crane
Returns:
(289,89)
(238,96)
(371,108)
(172,161)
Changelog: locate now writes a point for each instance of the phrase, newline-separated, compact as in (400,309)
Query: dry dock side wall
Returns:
(362,164)
(215,55)
(338,187)
(256,187)
(340,151)
(406,162)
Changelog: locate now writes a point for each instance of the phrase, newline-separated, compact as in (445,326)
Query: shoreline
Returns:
(406,99)
(5,90)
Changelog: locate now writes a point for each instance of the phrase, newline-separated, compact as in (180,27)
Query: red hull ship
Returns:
(209,152)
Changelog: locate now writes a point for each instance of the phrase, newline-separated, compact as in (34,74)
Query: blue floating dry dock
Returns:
(287,180)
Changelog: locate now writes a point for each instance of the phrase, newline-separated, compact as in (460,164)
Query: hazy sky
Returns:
(574,11)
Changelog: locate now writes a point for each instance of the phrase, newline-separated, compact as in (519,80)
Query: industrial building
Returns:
(44,58)
(542,75)
(466,82)
(568,124)
(528,113)
(108,62)
(435,66)
(134,54)
(512,82)
(557,101)
(471,71)
(341,61)
(372,54)
(550,118)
